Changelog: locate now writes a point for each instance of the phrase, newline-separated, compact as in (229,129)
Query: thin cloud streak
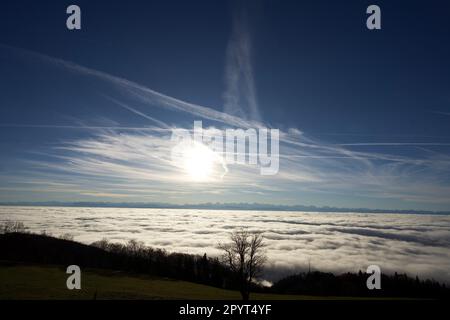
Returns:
(240,94)
(395,144)
(123,105)
(51,126)
(307,164)
(153,98)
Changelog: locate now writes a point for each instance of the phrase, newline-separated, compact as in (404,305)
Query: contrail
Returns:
(123,105)
(50,126)
(240,94)
(143,93)
(153,97)
(395,144)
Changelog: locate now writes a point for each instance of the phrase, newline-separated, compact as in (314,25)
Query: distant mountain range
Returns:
(217,206)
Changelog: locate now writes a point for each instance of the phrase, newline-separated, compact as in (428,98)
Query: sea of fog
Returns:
(336,242)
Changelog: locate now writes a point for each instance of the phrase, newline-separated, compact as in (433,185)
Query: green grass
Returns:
(49,282)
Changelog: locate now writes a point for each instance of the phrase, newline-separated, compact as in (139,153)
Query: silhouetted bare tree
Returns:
(245,256)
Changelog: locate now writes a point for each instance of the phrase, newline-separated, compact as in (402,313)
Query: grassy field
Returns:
(49,282)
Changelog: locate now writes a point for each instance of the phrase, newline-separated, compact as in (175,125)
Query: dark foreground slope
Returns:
(34,267)
(133,257)
(27,247)
(136,260)
(36,282)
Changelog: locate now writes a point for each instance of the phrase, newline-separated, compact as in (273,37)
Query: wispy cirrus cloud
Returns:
(395,144)
(118,157)
(240,94)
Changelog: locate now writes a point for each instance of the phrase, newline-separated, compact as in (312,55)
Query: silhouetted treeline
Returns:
(354,285)
(135,256)
(131,257)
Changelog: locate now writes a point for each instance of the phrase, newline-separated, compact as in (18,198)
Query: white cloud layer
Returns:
(416,244)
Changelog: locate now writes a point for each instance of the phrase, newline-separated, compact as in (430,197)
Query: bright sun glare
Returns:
(198,162)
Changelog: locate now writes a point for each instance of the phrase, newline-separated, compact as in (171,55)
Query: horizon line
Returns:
(238,206)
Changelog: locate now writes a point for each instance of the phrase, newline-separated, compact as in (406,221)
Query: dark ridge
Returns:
(35,248)
(354,285)
(135,257)
(132,257)
(220,206)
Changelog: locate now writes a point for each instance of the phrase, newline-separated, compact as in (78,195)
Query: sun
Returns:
(199,162)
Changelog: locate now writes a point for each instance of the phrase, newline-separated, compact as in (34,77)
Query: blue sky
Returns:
(364,115)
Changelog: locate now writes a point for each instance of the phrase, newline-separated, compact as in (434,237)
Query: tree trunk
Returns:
(245,295)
